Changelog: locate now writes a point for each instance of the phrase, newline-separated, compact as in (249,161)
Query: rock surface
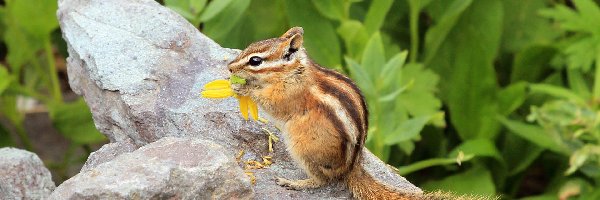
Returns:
(140,70)
(170,168)
(108,152)
(23,175)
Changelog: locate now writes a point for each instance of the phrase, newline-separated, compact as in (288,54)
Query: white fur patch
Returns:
(340,111)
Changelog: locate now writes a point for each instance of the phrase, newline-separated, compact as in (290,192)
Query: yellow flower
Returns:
(222,89)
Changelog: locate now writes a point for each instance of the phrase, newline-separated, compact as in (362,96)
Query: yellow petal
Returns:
(244,106)
(253,109)
(217,84)
(218,93)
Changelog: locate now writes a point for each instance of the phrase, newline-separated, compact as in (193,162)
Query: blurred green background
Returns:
(491,97)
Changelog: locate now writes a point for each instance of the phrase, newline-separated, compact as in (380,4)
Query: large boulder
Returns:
(23,175)
(140,68)
(170,168)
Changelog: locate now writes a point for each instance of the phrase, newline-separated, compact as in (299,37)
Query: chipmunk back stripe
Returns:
(363,123)
(342,112)
(345,101)
(336,123)
(339,89)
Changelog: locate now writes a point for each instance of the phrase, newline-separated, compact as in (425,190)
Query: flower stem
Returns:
(596,91)
(56,93)
(414,29)
(23,136)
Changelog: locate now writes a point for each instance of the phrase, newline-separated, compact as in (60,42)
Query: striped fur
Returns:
(322,113)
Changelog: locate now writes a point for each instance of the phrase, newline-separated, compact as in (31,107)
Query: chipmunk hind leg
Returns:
(315,152)
(315,179)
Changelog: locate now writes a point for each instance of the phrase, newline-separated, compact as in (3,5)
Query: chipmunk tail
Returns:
(442,195)
(365,187)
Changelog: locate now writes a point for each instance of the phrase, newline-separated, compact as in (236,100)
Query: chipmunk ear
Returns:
(295,38)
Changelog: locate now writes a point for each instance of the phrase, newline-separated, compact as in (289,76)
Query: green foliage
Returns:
(582,48)
(320,38)
(30,73)
(73,121)
(471,80)
(474,181)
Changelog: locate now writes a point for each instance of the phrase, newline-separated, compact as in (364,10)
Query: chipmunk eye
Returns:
(255,61)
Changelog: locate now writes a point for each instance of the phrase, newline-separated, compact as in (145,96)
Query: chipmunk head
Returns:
(271,60)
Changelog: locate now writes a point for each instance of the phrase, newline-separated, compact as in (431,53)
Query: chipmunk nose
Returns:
(234,68)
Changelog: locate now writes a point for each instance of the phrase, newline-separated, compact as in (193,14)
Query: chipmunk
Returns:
(322,114)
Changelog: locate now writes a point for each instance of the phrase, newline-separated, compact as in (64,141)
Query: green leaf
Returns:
(407,130)
(189,9)
(404,170)
(256,24)
(419,99)
(519,154)
(477,180)
(74,121)
(407,147)
(555,91)
(376,14)
(2,25)
(478,147)
(580,157)
(577,83)
(355,37)
(373,59)
(511,97)
(219,26)
(320,38)
(27,27)
(549,196)
(523,26)
(392,96)
(361,77)
(533,134)
(332,9)
(237,80)
(530,63)
(215,7)
(594,193)
(5,79)
(5,138)
(392,68)
(437,34)
(37,19)
(180,6)
(466,61)
(8,109)
(197,5)
(582,47)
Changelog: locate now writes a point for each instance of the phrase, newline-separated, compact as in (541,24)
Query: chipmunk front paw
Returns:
(241,90)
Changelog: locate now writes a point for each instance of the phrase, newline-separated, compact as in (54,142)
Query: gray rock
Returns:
(177,168)
(141,69)
(23,175)
(108,152)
